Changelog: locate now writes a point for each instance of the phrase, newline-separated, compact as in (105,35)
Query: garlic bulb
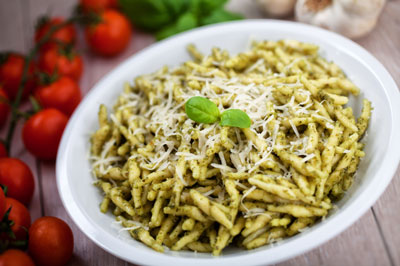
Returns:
(277,8)
(352,18)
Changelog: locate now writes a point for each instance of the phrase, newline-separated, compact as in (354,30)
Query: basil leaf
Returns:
(235,118)
(168,17)
(202,110)
(151,15)
(219,15)
(208,6)
(185,22)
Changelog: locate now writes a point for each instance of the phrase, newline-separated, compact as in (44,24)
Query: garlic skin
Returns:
(277,8)
(352,18)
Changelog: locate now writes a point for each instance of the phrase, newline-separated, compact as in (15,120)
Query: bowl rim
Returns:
(326,232)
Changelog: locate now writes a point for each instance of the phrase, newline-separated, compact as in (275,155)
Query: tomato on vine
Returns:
(110,35)
(42,133)
(65,35)
(11,69)
(15,257)
(63,60)
(63,94)
(4,107)
(3,150)
(19,220)
(97,5)
(2,203)
(18,178)
(50,233)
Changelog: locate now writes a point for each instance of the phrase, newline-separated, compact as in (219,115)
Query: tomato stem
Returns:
(15,113)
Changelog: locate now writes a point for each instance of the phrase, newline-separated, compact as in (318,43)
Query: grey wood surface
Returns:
(372,240)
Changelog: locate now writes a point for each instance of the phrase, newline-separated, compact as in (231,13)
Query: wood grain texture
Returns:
(372,240)
(384,43)
(14,39)
(361,244)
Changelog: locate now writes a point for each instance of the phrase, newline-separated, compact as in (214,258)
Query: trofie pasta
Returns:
(178,184)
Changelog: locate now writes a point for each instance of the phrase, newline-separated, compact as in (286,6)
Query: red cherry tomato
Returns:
(4,107)
(3,151)
(2,203)
(63,94)
(18,178)
(19,214)
(111,36)
(15,257)
(11,69)
(66,35)
(65,62)
(98,5)
(113,4)
(50,234)
(42,133)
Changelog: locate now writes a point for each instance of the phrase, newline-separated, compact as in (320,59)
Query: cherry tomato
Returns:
(3,151)
(2,203)
(19,214)
(113,4)
(98,5)
(42,133)
(66,35)
(63,61)
(50,234)
(15,257)
(110,36)
(18,178)
(11,69)
(63,94)
(4,107)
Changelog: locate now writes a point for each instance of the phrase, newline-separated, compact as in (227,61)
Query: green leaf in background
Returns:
(168,17)
(152,15)
(235,118)
(202,110)
(207,6)
(219,15)
(185,22)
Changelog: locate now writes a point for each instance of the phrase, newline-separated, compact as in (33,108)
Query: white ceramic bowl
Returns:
(81,198)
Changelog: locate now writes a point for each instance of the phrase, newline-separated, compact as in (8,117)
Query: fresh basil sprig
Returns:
(202,110)
(235,118)
(168,17)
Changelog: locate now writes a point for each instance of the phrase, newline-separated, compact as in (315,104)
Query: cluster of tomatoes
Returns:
(45,234)
(52,84)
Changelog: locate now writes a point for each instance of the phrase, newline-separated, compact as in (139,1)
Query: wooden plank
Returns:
(14,39)
(12,34)
(384,43)
(361,244)
(388,218)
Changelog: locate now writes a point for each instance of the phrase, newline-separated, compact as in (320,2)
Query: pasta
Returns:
(184,185)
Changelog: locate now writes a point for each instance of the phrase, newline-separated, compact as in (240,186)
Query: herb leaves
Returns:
(202,110)
(235,118)
(169,17)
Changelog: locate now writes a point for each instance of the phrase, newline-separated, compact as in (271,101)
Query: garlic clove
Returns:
(352,18)
(277,8)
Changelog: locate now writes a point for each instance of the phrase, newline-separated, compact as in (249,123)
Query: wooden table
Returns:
(373,240)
